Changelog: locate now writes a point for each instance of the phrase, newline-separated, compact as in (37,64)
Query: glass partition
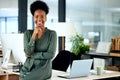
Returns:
(95,16)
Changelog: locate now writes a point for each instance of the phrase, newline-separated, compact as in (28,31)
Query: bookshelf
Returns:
(115,46)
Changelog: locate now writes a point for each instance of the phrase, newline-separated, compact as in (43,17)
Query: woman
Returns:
(39,46)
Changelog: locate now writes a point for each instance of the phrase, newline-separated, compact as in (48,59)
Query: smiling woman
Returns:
(85,14)
(39,46)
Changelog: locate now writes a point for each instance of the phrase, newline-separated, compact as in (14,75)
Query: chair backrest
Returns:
(62,60)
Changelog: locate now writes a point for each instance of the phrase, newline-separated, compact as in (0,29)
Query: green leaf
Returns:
(78,46)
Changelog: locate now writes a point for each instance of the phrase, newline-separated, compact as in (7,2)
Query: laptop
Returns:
(79,68)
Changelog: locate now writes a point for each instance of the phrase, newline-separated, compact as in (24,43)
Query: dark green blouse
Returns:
(38,67)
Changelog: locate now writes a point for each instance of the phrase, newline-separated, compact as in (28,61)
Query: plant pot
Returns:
(77,57)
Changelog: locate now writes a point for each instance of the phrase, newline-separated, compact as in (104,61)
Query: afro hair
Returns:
(39,5)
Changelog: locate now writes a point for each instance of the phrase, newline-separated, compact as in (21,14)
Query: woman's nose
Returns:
(39,19)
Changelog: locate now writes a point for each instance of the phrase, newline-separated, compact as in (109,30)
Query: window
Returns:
(8,24)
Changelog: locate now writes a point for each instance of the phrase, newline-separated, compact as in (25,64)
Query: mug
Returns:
(100,70)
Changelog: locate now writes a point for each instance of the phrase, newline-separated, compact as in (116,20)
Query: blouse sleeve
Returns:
(28,43)
(49,54)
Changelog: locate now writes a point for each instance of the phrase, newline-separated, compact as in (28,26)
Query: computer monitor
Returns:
(13,42)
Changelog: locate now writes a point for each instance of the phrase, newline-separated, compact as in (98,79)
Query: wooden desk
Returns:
(5,76)
(8,75)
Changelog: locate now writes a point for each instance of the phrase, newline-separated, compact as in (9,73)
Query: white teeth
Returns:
(39,23)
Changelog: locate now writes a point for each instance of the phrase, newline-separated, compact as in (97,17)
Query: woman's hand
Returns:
(37,32)
(28,56)
(40,32)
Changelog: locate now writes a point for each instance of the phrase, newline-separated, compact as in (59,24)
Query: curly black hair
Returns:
(39,5)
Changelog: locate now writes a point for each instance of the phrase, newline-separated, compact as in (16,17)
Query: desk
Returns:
(93,54)
(5,76)
(108,74)
(9,75)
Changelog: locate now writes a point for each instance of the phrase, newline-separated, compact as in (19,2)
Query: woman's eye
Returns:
(36,16)
(42,16)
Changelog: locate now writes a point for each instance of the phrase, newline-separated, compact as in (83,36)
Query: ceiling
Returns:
(11,6)
(108,5)
(94,3)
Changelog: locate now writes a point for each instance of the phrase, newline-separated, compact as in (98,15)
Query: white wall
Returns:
(8,3)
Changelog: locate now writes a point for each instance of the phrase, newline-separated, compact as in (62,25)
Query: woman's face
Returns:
(39,18)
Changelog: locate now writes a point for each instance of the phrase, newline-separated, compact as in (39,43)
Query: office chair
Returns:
(62,60)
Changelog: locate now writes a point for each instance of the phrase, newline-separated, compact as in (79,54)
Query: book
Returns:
(115,54)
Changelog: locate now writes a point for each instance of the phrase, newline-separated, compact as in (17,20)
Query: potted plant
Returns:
(78,47)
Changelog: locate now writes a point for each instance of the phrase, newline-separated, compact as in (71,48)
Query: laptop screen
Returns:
(81,67)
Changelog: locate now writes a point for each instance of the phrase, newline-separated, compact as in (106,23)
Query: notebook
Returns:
(79,68)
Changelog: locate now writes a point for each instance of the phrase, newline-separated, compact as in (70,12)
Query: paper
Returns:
(98,63)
